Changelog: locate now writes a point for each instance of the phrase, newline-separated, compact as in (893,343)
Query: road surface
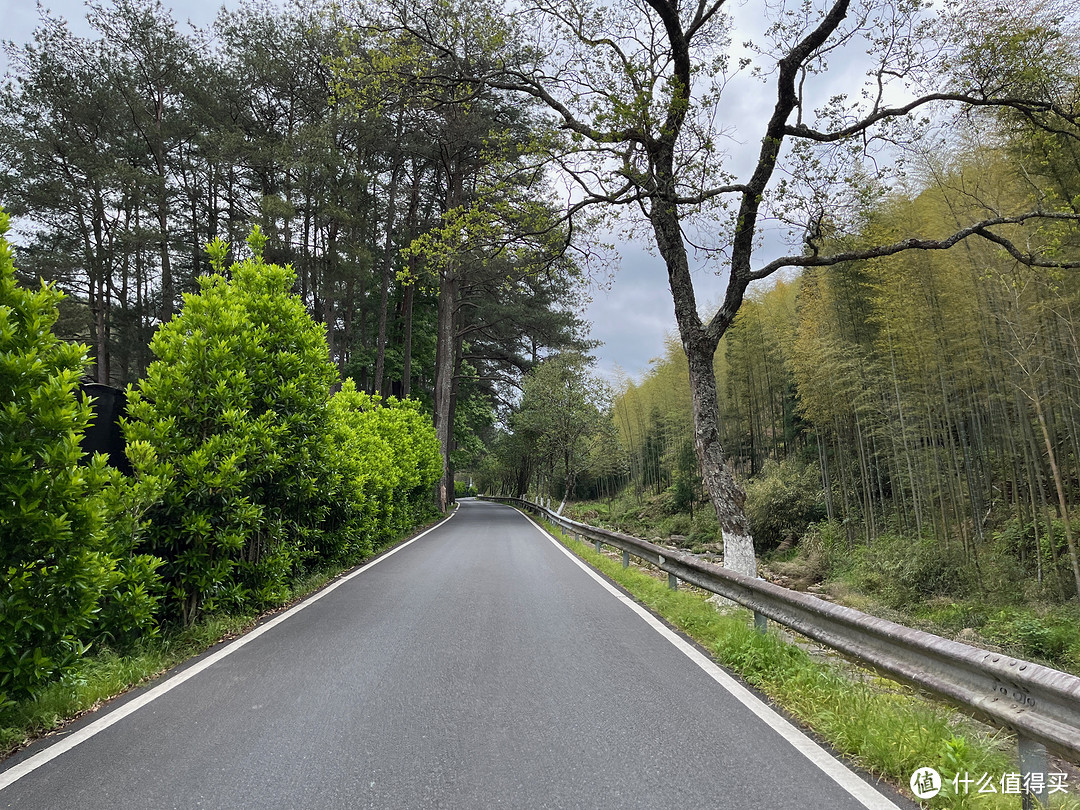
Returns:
(479,666)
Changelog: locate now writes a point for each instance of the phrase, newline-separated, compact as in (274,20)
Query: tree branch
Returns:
(1026,106)
(977,229)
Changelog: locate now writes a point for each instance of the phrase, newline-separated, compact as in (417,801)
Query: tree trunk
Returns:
(387,266)
(406,348)
(410,287)
(444,377)
(725,493)
(168,286)
(455,377)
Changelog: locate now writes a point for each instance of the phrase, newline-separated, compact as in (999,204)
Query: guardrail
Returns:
(1041,705)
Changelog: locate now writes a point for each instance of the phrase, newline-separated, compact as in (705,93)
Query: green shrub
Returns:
(677,525)
(132,596)
(825,549)
(782,502)
(233,413)
(415,449)
(1054,637)
(704,529)
(1012,560)
(463,490)
(903,570)
(52,567)
(386,458)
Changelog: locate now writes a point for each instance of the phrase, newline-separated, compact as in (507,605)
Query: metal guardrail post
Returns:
(598,544)
(761,622)
(1034,767)
(672,581)
(625,559)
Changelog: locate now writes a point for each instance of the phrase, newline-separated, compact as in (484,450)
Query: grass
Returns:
(108,673)
(883,727)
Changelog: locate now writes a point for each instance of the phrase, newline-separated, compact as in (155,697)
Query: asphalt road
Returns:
(480,666)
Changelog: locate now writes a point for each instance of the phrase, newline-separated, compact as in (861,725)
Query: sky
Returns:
(631,311)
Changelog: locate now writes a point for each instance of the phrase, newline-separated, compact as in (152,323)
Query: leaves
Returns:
(53,571)
(233,414)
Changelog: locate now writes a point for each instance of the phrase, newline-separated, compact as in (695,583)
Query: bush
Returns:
(53,568)
(463,490)
(385,458)
(1011,560)
(233,414)
(132,596)
(676,525)
(904,570)
(825,549)
(782,502)
(1054,637)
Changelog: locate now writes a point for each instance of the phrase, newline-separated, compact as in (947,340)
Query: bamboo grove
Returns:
(932,395)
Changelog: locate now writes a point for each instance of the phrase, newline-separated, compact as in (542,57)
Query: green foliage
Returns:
(825,549)
(384,457)
(561,406)
(903,571)
(133,593)
(233,414)
(1054,638)
(462,489)
(52,567)
(782,502)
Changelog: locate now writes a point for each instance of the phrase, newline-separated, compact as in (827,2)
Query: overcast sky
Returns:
(631,312)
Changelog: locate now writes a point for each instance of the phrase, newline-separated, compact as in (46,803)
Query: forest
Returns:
(917,415)
(908,422)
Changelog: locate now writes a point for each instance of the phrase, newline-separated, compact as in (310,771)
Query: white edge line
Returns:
(861,791)
(31,764)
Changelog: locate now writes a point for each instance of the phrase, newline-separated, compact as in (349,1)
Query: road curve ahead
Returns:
(478,667)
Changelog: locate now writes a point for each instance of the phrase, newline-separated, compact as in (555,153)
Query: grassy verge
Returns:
(883,727)
(108,673)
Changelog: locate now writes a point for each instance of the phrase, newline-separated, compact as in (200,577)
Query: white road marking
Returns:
(862,792)
(31,764)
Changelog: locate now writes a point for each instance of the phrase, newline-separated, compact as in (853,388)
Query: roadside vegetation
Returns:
(253,481)
(905,429)
(882,726)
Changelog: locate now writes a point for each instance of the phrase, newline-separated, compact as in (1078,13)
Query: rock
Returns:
(722,603)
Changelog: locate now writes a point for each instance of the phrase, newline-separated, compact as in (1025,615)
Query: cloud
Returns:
(634,317)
